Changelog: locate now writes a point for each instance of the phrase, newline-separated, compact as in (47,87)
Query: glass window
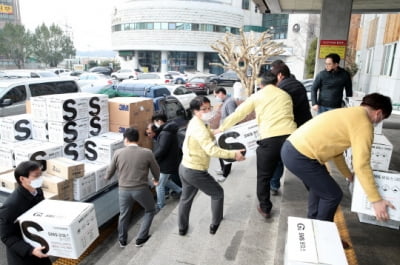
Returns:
(157,25)
(164,25)
(179,26)
(50,88)
(16,94)
(171,26)
(161,92)
(149,25)
(370,56)
(277,23)
(246,4)
(388,59)
(195,27)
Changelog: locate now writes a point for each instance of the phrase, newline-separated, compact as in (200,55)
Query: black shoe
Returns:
(183,232)
(213,229)
(122,243)
(274,192)
(140,241)
(264,214)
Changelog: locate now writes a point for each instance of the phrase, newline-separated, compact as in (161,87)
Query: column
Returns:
(335,23)
(164,60)
(200,62)
(135,60)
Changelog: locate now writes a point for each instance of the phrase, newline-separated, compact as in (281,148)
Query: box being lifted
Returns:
(66,229)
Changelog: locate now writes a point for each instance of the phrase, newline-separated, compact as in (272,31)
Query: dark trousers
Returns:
(324,193)
(225,168)
(268,157)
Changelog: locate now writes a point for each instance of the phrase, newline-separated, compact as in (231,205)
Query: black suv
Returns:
(226,79)
(105,70)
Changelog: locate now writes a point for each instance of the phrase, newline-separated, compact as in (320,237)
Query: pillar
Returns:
(164,61)
(200,62)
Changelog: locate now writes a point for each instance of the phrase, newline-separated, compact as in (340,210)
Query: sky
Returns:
(88,20)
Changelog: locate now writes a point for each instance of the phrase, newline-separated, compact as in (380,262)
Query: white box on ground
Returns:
(66,228)
(74,150)
(313,242)
(241,136)
(67,107)
(84,187)
(369,219)
(68,131)
(98,125)
(39,107)
(388,184)
(16,128)
(39,153)
(40,130)
(100,149)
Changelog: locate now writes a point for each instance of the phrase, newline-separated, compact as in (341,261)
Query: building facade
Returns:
(9,12)
(378,56)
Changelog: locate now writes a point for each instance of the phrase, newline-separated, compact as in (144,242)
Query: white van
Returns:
(14,92)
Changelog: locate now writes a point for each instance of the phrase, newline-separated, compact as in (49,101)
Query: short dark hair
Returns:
(276,63)
(334,56)
(220,90)
(197,102)
(281,69)
(24,168)
(159,117)
(268,78)
(378,101)
(131,134)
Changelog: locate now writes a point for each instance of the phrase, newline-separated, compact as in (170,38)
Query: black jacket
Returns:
(167,151)
(18,251)
(298,93)
(329,88)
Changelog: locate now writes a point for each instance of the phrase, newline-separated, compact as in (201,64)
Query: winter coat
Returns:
(18,251)
(167,151)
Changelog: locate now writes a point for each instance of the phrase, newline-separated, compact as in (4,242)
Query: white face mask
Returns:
(206,117)
(37,183)
(219,99)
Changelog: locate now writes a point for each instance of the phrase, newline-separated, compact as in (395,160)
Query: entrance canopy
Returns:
(315,6)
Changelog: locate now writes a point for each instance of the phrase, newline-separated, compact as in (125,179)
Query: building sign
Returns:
(332,46)
(6,9)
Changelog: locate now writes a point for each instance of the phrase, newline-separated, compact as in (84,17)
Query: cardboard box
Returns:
(100,149)
(381,153)
(65,168)
(59,186)
(98,104)
(8,182)
(69,131)
(40,130)
(388,184)
(313,242)
(16,128)
(98,125)
(50,196)
(141,127)
(66,228)
(39,107)
(368,219)
(67,107)
(84,187)
(75,150)
(128,110)
(39,153)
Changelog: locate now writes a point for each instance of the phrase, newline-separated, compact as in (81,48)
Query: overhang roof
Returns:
(314,6)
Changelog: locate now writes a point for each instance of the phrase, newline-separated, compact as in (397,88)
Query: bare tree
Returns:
(246,54)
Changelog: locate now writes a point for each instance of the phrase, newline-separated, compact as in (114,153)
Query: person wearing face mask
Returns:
(326,137)
(228,106)
(198,147)
(24,197)
(168,156)
(274,116)
(327,89)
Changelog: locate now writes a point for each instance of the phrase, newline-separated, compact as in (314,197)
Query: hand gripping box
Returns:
(388,185)
(66,229)
(16,128)
(313,242)
(369,219)
(65,168)
(67,107)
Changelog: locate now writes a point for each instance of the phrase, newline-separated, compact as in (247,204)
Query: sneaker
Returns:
(122,244)
(221,178)
(219,172)
(274,192)
(140,241)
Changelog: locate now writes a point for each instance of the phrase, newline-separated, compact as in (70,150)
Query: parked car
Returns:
(155,78)
(15,92)
(307,83)
(201,84)
(28,73)
(94,82)
(143,90)
(178,77)
(105,70)
(182,94)
(226,79)
(125,74)
(60,71)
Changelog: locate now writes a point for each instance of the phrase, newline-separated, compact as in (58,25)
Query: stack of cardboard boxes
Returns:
(388,182)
